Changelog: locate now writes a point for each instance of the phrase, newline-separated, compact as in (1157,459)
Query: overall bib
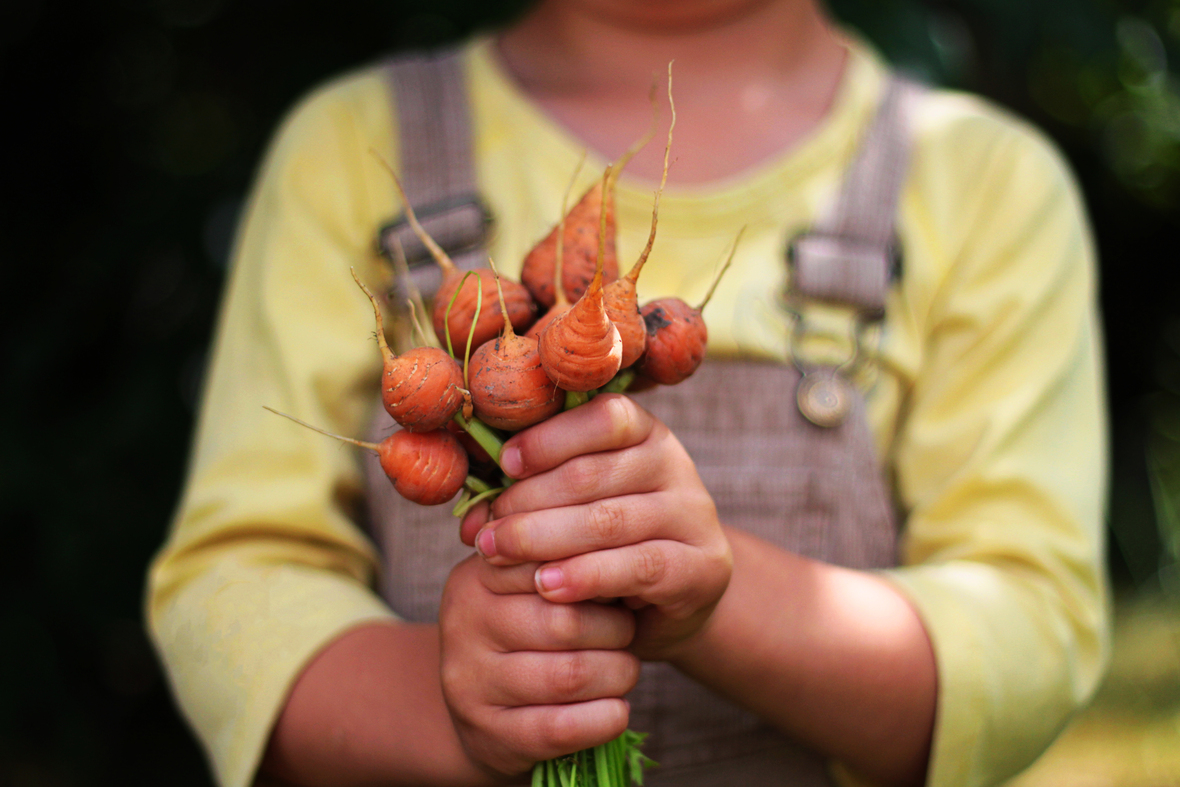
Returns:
(793,464)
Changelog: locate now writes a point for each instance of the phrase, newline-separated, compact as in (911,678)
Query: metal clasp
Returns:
(826,390)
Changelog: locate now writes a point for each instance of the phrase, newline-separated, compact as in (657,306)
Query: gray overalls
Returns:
(817,490)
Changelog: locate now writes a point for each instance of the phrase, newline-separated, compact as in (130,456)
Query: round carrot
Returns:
(509,388)
(676,334)
(676,339)
(580,238)
(422,388)
(561,304)
(578,232)
(464,291)
(581,350)
(518,305)
(428,468)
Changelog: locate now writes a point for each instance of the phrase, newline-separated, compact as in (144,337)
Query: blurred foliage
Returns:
(1164,454)
(136,126)
(1100,77)
(1098,68)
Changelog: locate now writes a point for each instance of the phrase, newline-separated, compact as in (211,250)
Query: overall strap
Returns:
(435,165)
(849,256)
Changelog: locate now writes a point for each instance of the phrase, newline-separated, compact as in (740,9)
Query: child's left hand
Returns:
(609,505)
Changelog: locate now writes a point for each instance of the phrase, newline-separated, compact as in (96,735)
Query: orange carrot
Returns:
(421,389)
(521,308)
(622,302)
(676,334)
(561,304)
(509,388)
(578,231)
(427,468)
(581,350)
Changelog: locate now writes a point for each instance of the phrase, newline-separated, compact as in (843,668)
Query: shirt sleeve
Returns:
(1000,462)
(265,564)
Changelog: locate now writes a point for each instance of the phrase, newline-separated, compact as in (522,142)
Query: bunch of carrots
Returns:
(518,370)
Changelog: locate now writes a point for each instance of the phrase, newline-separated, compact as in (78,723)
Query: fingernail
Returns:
(550,578)
(485,542)
(510,461)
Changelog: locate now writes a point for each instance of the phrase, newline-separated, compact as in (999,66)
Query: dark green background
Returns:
(134,128)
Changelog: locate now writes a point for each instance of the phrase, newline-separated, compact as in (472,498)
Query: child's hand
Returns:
(526,679)
(611,505)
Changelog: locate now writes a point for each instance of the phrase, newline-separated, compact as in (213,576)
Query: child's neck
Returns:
(752,77)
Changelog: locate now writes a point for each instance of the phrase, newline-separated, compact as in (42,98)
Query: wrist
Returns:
(368,709)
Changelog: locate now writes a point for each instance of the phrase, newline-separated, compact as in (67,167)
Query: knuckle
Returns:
(461,582)
(704,501)
(456,688)
(606,522)
(451,676)
(565,624)
(681,611)
(580,476)
(446,604)
(505,626)
(671,450)
(571,675)
(650,564)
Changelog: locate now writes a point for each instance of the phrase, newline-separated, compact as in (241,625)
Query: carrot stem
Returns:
(503,306)
(602,767)
(415,299)
(476,484)
(471,330)
(447,314)
(482,434)
(422,334)
(576,398)
(633,274)
(721,272)
(639,144)
(463,506)
(596,283)
(558,279)
(436,251)
(616,763)
(371,446)
(621,382)
(386,353)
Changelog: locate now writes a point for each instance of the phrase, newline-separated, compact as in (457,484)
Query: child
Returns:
(983,400)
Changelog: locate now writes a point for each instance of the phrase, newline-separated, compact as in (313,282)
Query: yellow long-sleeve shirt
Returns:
(987,407)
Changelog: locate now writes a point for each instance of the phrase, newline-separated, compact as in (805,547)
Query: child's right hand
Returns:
(526,679)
